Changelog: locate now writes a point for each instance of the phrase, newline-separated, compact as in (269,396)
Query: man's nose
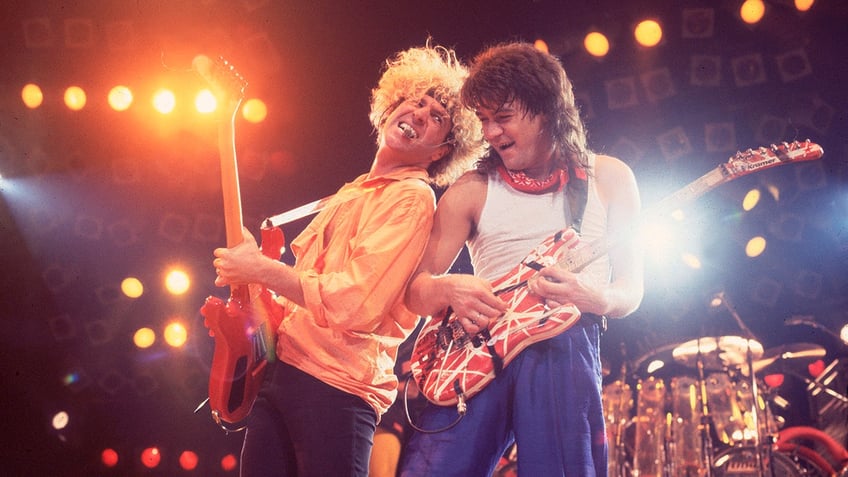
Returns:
(491,130)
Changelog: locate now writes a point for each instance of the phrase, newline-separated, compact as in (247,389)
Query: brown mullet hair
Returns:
(538,84)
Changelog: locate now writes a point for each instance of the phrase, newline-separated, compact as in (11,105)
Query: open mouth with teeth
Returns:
(407,130)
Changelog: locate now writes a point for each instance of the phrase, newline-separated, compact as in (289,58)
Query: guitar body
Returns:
(448,364)
(243,328)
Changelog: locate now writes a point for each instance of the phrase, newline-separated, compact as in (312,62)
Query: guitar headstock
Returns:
(226,82)
(752,160)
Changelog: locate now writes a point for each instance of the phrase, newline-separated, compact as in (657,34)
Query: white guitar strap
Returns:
(311,208)
(297,213)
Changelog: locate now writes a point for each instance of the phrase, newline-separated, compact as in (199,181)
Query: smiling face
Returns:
(519,138)
(417,130)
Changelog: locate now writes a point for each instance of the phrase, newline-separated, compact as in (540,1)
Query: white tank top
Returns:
(513,223)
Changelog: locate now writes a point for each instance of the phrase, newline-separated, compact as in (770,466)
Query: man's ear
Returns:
(441,152)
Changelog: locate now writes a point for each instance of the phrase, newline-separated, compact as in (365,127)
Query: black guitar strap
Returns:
(576,196)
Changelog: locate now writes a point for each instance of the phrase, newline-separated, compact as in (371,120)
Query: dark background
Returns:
(91,197)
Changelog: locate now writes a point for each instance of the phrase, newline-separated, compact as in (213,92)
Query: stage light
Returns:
(132,287)
(60,420)
(32,96)
(175,334)
(541,46)
(752,11)
(804,5)
(229,462)
(120,98)
(691,260)
(254,110)
(109,457)
(596,44)
(755,246)
(144,338)
(648,33)
(205,102)
(177,282)
(188,460)
(164,101)
(843,334)
(150,457)
(751,199)
(75,98)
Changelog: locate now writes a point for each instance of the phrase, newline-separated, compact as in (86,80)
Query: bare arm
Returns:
(619,193)
(431,290)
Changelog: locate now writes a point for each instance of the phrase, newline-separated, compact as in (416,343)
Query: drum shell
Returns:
(742,462)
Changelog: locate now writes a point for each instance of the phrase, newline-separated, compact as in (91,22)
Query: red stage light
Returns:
(188,460)
(150,457)
(229,462)
(109,457)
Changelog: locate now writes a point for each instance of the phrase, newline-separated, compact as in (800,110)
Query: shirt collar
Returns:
(397,174)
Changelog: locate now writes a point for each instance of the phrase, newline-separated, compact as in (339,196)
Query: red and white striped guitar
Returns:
(449,365)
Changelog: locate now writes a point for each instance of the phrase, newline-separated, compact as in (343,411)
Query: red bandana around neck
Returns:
(518,180)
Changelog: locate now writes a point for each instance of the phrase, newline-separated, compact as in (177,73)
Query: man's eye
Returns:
(438,118)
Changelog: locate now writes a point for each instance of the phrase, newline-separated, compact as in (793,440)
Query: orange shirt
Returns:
(355,259)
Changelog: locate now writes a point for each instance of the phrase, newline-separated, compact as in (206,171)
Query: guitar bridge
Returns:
(452,333)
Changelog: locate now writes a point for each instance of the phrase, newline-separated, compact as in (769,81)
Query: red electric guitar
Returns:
(450,366)
(244,326)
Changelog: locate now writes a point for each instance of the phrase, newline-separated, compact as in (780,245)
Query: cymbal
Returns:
(642,364)
(793,351)
(717,353)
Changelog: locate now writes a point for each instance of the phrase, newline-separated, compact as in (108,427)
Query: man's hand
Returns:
(237,265)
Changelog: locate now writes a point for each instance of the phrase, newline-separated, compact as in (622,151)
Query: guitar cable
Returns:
(461,408)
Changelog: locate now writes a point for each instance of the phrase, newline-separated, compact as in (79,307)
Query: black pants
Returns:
(301,427)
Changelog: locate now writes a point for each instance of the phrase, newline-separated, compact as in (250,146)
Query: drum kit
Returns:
(712,419)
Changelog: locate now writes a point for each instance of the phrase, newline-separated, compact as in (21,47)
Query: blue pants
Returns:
(547,401)
(301,427)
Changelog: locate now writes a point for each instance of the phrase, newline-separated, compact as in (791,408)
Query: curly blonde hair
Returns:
(435,71)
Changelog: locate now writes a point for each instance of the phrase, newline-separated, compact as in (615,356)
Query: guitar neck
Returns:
(690,192)
(233,221)
(584,256)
